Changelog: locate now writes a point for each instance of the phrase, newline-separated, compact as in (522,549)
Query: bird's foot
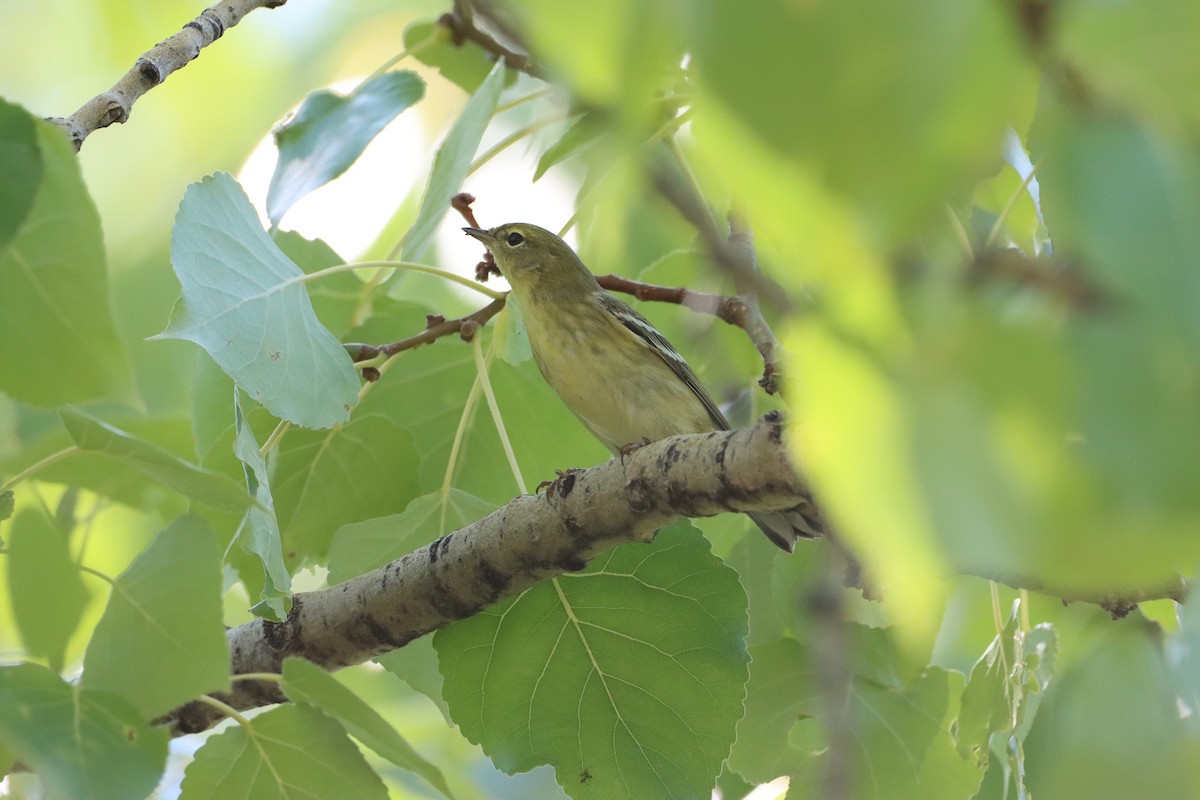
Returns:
(562,485)
(626,449)
(631,447)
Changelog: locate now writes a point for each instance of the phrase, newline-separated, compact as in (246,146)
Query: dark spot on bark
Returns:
(670,456)
(368,633)
(149,70)
(434,552)
(574,529)
(721,453)
(638,492)
(775,432)
(496,580)
(571,564)
(277,635)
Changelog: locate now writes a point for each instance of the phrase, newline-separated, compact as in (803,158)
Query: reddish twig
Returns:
(436,326)
(1060,281)
(461,203)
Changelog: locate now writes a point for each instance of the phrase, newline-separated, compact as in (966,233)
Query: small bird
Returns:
(611,367)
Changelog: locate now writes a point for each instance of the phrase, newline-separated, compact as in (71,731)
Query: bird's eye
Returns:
(514,239)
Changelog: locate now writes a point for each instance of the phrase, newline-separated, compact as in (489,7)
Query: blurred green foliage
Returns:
(978,221)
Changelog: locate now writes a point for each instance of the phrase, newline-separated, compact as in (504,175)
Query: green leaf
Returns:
(417,665)
(84,744)
(21,165)
(329,131)
(1110,726)
(161,641)
(48,595)
(901,105)
(574,140)
(363,546)
(899,744)
(1004,688)
(244,302)
(304,682)
(1116,171)
(287,752)
(199,484)
(55,305)
(259,533)
(326,479)
(512,341)
(334,297)
(627,677)
(425,392)
(466,66)
(1117,49)
(451,163)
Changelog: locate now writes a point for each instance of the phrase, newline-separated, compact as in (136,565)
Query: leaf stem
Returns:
(274,677)
(1008,207)
(511,104)
(407,265)
(273,440)
(439,33)
(229,711)
(109,579)
(510,140)
(494,407)
(39,465)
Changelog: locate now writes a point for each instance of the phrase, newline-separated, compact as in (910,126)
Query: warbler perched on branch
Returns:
(619,375)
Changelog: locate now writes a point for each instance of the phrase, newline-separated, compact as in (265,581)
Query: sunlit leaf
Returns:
(627,677)
(329,131)
(244,302)
(161,642)
(1120,50)
(895,106)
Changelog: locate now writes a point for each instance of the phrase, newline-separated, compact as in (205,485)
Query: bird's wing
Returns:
(640,327)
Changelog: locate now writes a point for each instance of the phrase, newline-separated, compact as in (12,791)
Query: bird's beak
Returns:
(480,234)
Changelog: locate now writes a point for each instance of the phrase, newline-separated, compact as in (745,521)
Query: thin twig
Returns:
(153,67)
(734,255)
(436,326)
(461,23)
(1059,280)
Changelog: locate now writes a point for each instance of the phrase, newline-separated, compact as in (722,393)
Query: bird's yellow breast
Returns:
(616,384)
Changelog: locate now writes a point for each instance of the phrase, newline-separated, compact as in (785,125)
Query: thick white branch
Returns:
(532,538)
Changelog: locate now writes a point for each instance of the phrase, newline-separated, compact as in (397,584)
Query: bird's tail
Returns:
(783,528)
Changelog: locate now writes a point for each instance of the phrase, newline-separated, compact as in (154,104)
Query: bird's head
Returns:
(533,260)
